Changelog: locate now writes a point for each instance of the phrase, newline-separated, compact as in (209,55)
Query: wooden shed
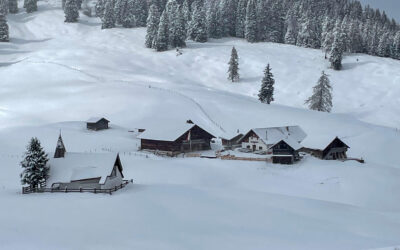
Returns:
(186,137)
(335,149)
(285,151)
(97,123)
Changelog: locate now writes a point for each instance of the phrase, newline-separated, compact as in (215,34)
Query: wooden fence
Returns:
(29,190)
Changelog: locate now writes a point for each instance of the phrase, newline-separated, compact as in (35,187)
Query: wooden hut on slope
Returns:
(179,138)
(97,123)
(326,149)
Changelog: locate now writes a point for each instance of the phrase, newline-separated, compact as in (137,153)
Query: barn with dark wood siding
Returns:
(97,123)
(334,149)
(180,138)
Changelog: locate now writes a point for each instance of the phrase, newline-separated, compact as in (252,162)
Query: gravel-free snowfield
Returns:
(55,76)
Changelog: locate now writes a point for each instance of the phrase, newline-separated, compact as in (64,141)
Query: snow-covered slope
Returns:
(52,72)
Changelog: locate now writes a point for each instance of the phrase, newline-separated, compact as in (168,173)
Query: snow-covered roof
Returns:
(96,119)
(80,166)
(166,133)
(271,136)
(291,142)
(319,142)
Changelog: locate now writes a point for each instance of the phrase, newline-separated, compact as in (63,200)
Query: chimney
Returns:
(60,149)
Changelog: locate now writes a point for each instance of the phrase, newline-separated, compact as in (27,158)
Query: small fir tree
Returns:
(71,11)
(152,26)
(108,20)
(266,94)
(34,164)
(30,6)
(321,100)
(198,26)
(233,71)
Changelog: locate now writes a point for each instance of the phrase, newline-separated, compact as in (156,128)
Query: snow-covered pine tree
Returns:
(186,13)
(13,6)
(327,35)
(251,22)
(241,18)
(34,164)
(396,46)
(108,20)
(308,34)
(161,41)
(227,17)
(266,94)
(180,30)
(291,30)
(71,11)
(336,54)
(140,12)
(128,19)
(152,26)
(321,99)
(100,7)
(212,21)
(384,45)
(355,39)
(275,32)
(4,35)
(171,9)
(121,6)
(31,6)
(198,27)
(233,70)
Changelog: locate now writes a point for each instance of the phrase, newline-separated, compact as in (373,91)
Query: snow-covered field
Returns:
(53,75)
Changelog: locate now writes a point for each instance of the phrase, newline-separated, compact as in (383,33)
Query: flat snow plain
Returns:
(52,72)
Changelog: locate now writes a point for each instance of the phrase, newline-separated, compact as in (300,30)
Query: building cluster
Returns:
(104,171)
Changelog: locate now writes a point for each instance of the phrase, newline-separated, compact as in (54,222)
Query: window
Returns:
(248,146)
(114,172)
(260,148)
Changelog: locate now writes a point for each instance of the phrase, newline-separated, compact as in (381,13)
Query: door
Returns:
(254,148)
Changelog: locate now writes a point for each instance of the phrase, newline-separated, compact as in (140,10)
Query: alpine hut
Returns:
(83,170)
(97,123)
(326,148)
(176,138)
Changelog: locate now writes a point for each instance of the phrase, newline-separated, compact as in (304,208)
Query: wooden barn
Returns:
(324,149)
(180,138)
(286,151)
(231,142)
(74,171)
(97,123)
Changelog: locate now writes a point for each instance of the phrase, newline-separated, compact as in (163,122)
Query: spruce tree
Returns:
(121,7)
(321,99)
(233,71)
(140,12)
(251,22)
(152,26)
(396,46)
(71,11)
(161,41)
(198,27)
(266,94)
(13,6)
(31,6)
(100,7)
(241,18)
(213,26)
(34,164)
(108,20)
(384,45)
(336,54)
(179,31)
(186,13)
(4,36)
(128,19)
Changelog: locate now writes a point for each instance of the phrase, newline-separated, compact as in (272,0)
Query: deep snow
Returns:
(52,72)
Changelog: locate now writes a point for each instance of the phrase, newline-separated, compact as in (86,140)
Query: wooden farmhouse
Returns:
(179,138)
(97,123)
(262,139)
(74,171)
(326,149)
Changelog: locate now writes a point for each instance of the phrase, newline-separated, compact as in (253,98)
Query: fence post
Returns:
(95,190)
(66,189)
(80,190)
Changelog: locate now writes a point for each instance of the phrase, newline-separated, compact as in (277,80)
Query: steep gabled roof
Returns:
(81,166)
(291,142)
(320,142)
(96,119)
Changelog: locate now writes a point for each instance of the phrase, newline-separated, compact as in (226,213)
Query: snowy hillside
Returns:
(54,76)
